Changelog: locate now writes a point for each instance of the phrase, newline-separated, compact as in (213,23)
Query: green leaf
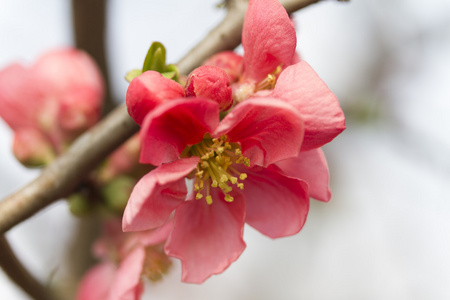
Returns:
(172,69)
(156,58)
(133,74)
(169,75)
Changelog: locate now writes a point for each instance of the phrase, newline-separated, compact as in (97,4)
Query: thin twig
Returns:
(19,274)
(59,178)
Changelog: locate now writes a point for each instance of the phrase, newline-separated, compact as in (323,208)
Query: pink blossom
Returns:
(126,259)
(258,165)
(56,98)
(270,68)
(231,166)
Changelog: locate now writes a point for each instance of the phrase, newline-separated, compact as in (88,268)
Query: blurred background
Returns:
(386,232)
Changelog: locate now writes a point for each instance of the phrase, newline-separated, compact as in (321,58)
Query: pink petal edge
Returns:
(207,238)
(277,205)
(268,38)
(157,194)
(127,283)
(301,87)
(172,126)
(268,130)
(310,166)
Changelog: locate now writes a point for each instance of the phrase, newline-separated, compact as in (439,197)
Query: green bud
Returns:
(79,204)
(116,193)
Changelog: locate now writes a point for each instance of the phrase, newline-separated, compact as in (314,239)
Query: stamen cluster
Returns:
(216,167)
(269,82)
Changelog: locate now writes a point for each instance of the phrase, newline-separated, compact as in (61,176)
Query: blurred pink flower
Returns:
(185,138)
(126,258)
(51,102)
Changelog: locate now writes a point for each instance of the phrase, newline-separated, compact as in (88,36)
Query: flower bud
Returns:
(79,204)
(147,91)
(228,61)
(212,83)
(116,193)
(76,112)
(32,148)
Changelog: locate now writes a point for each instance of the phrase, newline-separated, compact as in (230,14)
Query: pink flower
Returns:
(258,165)
(269,43)
(126,258)
(51,102)
(233,176)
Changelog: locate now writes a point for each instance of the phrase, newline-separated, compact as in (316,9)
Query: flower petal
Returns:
(268,38)
(310,166)
(277,205)
(157,194)
(156,236)
(97,282)
(147,91)
(169,128)
(127,283)
(65,71)
(267,129)
(19,100)
(207,238)
(301,87)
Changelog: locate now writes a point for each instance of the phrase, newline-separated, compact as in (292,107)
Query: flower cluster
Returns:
(125,259)
(248,142)
(49,104)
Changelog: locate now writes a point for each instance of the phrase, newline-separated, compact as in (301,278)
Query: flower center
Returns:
(246,89)
(269,82)
(217,157)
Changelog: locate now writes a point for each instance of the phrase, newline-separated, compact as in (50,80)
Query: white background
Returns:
(386,232)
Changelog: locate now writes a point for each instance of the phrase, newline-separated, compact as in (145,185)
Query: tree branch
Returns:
(61,177)
(17,273)
(89,22)
(227,35)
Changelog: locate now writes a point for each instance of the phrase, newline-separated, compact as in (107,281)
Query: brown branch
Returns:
(19,274)
(227,35)
(89,22)
(59,178)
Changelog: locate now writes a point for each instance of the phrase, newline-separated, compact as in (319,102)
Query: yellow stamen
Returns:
(216,167)
(229,198)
